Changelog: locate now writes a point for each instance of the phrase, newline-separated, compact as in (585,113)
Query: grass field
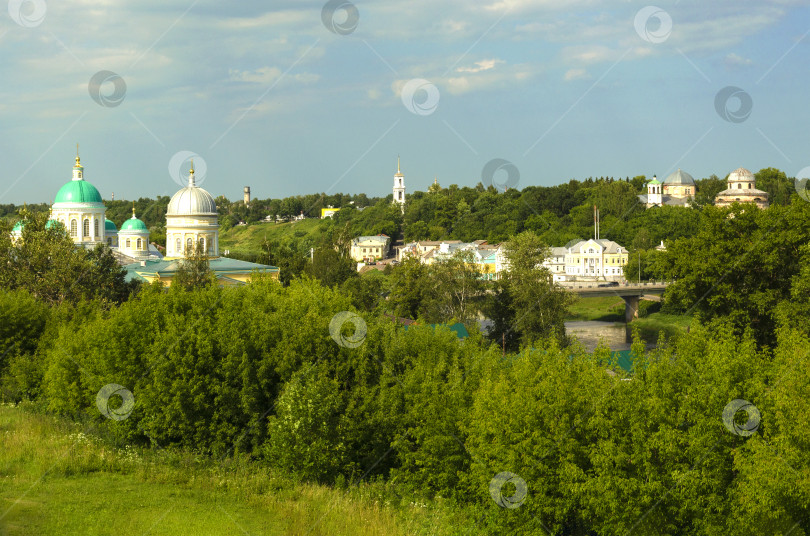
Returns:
(651,326)
(55,479)
(250,237)
(604,308)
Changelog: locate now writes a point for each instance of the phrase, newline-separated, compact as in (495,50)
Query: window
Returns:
(202,243)
(139,244)
(128,243)
(86,228)
(190,245)
(97,233)
(109,241)
(177,245)
(739,186)
(74,228)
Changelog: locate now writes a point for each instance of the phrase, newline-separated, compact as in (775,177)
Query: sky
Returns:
(299,97)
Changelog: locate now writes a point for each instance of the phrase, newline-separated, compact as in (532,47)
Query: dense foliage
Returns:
(316,376)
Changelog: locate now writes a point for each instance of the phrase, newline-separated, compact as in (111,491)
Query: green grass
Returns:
(651,326)
(604,308)
(55,479)
(250,237)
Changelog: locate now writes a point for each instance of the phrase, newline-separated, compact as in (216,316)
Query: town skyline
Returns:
(300,99)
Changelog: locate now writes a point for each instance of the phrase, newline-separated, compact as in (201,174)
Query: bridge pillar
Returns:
(630,308)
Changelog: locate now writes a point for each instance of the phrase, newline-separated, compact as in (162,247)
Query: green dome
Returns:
(134,225)
(109,226)
(79,191)
(51,223)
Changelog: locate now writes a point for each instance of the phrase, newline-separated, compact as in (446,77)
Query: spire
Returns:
(191,175)
(78,170)
(398,171)
(133,210)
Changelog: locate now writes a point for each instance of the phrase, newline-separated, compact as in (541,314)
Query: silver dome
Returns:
(740,174)
(680,177)
(191,200)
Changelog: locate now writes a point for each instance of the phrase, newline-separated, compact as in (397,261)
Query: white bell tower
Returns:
(399,188)
(654,197)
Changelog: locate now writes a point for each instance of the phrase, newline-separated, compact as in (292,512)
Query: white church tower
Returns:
(399,188)
(654,198)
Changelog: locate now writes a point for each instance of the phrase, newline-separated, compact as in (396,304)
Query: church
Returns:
(191,219)
(678,189)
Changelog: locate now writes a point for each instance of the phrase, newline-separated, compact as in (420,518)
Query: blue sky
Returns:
(267,96)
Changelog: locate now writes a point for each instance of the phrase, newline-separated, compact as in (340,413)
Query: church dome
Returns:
(192,200)
(740,174)
(680,178)
(78,191)
(109,227)
(132,225)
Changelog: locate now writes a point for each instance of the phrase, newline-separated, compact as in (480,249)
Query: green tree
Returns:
(533,307)
(194,270)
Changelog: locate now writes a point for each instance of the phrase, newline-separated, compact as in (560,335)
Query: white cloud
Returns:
(483,65)
(576,74)
(734,60)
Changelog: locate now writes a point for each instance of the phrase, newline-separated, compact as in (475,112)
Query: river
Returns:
(591,332)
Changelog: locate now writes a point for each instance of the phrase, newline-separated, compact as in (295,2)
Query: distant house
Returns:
(555,263)
(329,212)
(367,248)
(595,259)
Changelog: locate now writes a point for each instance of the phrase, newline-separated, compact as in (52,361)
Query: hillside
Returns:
(250,237)
(56,479)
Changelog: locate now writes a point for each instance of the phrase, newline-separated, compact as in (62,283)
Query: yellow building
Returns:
(367,248)
(592,259)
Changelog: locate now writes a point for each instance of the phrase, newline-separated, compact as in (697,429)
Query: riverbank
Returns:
(602,319)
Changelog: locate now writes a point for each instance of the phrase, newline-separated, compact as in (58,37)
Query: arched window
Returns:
(178,245)
(97,233)
(190,245)
(139,244)
(739,186)
(74,228)
(202,243)
(128,243)
(109,241)
(86,227)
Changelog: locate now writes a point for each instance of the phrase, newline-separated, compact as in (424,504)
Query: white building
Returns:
(555,263)
(191,219)
(79,207)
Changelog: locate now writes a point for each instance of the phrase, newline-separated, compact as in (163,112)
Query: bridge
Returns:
(629,292)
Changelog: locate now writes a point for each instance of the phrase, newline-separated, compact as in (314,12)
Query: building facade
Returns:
(595,259)
(742,189)
(370,248)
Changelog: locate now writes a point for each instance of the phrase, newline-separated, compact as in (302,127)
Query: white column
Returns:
(92,227)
